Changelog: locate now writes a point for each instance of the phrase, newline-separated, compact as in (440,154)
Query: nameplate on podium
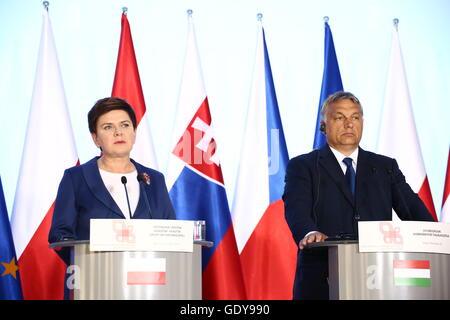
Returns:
(141,235)
(404,236)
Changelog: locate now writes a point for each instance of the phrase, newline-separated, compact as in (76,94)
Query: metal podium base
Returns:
(105,275)
(385,275)
(372,276)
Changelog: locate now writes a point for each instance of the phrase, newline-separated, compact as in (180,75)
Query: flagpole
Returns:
(259,16)
(326,19)
(125,10)
(189,13)
(396,21)
(46,4)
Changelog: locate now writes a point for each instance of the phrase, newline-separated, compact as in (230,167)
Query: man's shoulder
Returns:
(376,157)
(304,160)
(305,157)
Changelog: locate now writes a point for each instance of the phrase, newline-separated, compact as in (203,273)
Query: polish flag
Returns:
(196,183)
(49,149)
(127,86)
(445,212)
(398,135)
(268,252)
(146,272)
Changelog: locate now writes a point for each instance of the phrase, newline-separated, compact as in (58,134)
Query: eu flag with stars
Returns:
(9,272)
(331,81)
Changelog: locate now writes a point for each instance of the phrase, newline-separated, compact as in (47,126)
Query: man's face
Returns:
(344,125)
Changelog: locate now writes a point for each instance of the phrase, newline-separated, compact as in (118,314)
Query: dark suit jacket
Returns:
(82,196)
(317,196)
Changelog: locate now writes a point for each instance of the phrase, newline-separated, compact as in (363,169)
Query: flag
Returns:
(127,86)
(398,135)
(445,212)
(196,183)
(9,271)
(48,150)
(412,273)
(331,82)
(268,252)
(140,272)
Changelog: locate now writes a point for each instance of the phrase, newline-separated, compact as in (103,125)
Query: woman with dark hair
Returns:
(110,186)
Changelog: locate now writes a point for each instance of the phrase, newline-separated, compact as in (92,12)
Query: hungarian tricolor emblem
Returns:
(412,273)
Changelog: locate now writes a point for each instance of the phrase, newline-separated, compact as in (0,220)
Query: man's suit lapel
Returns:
(364,171)
(329,163)
(97,187)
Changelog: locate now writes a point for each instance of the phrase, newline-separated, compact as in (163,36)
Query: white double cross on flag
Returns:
(205,141)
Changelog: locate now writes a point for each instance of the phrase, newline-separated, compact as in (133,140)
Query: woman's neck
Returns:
(116,165)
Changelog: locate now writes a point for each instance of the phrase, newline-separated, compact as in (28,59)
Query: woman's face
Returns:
(115,134)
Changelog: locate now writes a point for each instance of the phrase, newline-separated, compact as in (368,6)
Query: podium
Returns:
(355,275)
(133,275)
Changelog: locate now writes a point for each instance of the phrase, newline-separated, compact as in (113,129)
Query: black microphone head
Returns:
(123,179)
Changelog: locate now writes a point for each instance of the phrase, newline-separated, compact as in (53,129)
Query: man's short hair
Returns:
(338,96)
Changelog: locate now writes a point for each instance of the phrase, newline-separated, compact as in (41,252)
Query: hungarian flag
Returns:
(10,288)
(398,135)
(48,150)
(445,212)
(196,183)
(331,82)
(268,252)
(127,86)
(412,273)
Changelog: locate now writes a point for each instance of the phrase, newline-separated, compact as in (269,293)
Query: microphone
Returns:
(141,177)
(316,202)
(124,181)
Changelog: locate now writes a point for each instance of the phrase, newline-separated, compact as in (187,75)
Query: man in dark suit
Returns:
(329,190)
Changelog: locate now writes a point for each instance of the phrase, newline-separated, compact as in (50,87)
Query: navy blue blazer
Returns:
(82,196)
(318,198)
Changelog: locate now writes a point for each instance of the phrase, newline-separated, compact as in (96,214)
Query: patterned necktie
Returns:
(350,174)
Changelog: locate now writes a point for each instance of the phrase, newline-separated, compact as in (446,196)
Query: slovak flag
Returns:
(398,135)
(268,252)
(445,212)
(196,183)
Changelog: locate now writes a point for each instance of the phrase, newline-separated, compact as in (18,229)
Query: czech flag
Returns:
(196,183)
(268,252)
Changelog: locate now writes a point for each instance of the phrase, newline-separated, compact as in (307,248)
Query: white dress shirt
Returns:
(116,188)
